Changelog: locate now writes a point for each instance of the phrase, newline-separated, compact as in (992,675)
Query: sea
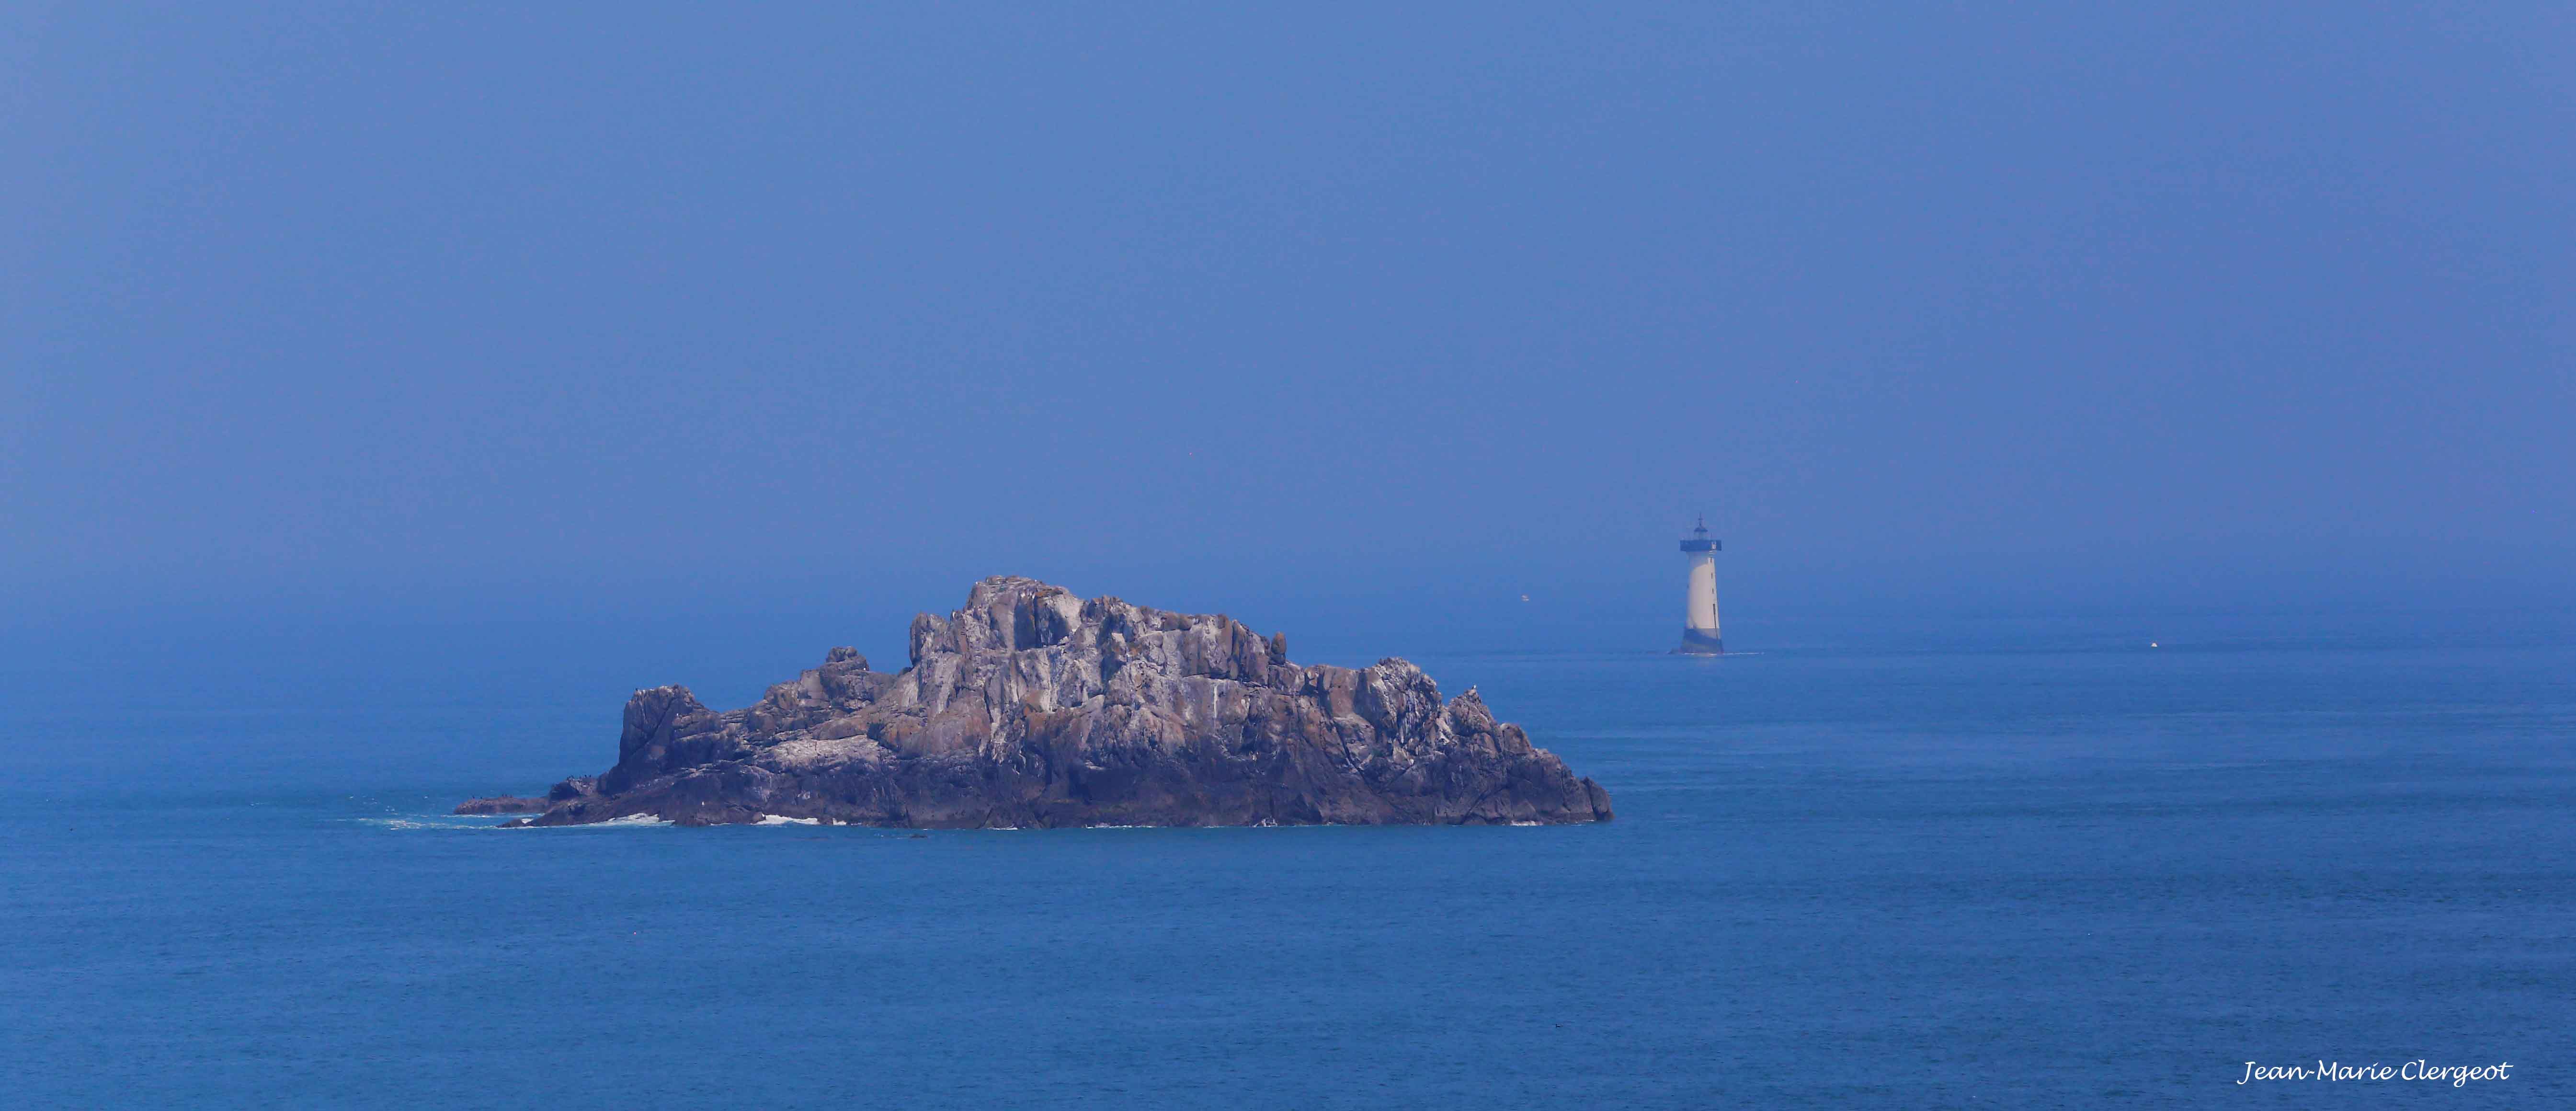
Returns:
(2054,869)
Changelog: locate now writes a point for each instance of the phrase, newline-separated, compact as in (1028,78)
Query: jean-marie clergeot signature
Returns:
(2457,1075)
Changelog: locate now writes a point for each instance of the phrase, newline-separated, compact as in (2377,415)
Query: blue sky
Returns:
(477,313)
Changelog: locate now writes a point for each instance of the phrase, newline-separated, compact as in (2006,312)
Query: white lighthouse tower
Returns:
(1699,601)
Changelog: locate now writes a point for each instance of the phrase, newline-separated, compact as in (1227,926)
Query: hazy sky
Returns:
(478,310)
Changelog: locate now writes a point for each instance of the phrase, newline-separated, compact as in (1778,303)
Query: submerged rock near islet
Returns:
(502,804)
(1033,708)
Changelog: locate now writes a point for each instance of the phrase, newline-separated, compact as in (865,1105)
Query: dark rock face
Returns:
(502,804)
(1033,708)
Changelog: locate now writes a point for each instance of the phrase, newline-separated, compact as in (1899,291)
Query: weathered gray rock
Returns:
(1030,708)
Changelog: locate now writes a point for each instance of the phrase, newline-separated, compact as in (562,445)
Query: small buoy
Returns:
(2152,644)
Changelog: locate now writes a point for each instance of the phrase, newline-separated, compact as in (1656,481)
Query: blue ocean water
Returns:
(2047,875)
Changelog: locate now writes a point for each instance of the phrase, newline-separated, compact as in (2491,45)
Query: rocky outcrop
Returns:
(1031,708)
(502,804)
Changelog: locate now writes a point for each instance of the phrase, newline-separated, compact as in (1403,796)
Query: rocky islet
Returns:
(1031,707)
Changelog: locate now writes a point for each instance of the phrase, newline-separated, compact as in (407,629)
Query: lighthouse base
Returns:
(1700,642)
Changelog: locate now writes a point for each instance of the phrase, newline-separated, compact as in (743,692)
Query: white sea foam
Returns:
(783,820)
(426,821)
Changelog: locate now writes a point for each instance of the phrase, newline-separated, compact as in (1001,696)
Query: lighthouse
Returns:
(1699,599)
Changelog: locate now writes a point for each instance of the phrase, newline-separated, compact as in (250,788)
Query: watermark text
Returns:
(2457,1076)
